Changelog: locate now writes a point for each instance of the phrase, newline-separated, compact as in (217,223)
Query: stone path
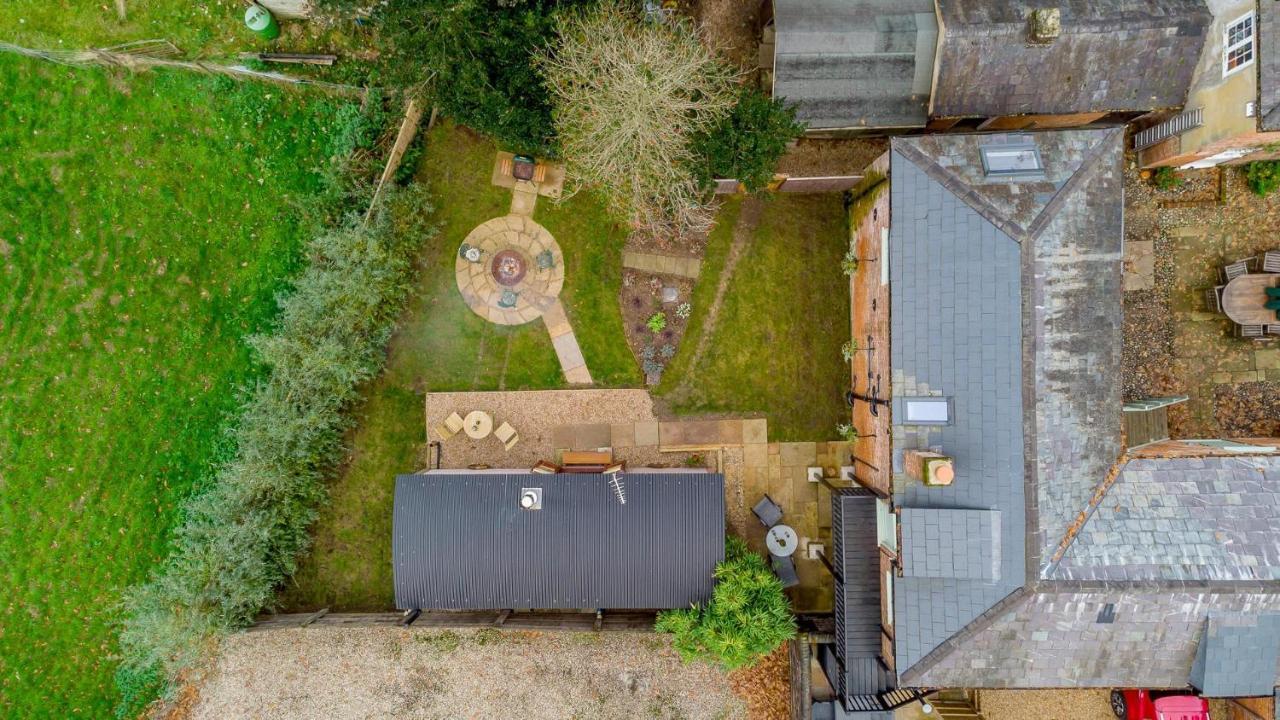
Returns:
(662,264)
(566,345)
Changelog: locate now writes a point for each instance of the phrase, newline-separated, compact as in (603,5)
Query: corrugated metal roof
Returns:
(461,541)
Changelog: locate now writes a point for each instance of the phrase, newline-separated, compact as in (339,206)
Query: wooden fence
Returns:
(575,621)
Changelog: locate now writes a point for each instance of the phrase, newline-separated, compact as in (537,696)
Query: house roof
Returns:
(1269,65)
(986,65)
(855,63)
(1237,655)
(461,540)
(945,543)
(992,280)
(1198,519)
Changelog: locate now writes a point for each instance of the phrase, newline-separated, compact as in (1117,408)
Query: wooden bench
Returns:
(585,461)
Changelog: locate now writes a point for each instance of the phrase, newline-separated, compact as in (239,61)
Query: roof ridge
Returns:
(1089,165)
(957,186)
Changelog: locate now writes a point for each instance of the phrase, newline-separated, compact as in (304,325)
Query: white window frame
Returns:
(1250,42)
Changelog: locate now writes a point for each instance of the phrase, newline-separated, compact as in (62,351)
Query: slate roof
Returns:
(855,63)
(941,543)
(461,541)
(1205,519)
(1005,298)
(986,65)
(1237,655)
(1053,638)
(1269,65)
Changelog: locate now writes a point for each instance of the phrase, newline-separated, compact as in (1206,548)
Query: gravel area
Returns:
(1061,705)
(535,414)
(371,673)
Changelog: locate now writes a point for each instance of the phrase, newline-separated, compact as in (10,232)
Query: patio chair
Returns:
(768,511)
(785,569)
(1271,261)
(507,435)
(1249,331)
(1213,298)
(1236,269)
(1272,330)
(450,426)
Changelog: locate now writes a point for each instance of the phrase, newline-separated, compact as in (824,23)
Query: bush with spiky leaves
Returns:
(747,617)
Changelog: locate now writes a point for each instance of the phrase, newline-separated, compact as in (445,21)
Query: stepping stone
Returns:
(578,376)
(568,352)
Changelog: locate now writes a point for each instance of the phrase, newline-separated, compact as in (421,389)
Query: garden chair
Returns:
(450,426)
(1213,298)
(1271,261)
(1249,331)
(785,569)
(768,511)
(507,435)
(1272,330)
(1236,269)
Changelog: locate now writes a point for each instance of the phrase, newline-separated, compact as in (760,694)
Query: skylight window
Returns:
(1237,45)
(1011,160)
(928,411)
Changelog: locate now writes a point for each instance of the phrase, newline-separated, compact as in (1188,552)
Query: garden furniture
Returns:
(545,468)
(478,424)
(1244,299)
(579,461)
(1271,261)
(781,540)
(507,435)
(450,426)
(1213,298)
(785,569)
(1249,331)
(1236,269)
(768,511)
(1272,330)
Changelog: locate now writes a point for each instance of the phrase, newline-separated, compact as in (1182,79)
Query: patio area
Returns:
(549,423)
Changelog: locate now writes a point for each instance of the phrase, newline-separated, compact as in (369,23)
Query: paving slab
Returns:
(622,435)
(755,430)
(646,433)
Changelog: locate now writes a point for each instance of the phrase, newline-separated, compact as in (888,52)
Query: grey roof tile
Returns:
(987,67)
(1237,655)
(1269,65)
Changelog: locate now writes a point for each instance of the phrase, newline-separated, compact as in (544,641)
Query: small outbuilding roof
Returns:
(855,63)
(1269,65)
(461,540)
(1237,655)
(988,63)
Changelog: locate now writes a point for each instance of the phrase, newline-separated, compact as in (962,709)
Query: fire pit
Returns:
(508,267)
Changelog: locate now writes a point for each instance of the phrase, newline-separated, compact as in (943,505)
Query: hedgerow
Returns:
(747,617)
(242,536)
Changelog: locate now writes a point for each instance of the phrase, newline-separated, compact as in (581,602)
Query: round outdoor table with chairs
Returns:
(781,540)
(477,425)
(1250,295)
(1244,299)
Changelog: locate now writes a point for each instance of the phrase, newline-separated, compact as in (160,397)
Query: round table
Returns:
(1244,299)
(477,424)
(781,540)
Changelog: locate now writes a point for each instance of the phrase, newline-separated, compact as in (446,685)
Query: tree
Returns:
(747,617)
(748,142)
(476,59)
(628,97)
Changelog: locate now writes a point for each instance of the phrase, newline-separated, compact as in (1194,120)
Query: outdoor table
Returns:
(781,540)
(477,424)
(1244,299)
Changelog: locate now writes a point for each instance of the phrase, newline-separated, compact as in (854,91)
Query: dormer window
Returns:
(1237,45)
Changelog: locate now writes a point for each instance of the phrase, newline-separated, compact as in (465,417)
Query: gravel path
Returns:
(369,673)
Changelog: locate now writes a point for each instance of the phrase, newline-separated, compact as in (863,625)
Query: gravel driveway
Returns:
(366,673)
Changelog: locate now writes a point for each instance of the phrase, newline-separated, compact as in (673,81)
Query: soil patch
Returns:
(644,298)
(766,686)
(814,157)
(1248,409)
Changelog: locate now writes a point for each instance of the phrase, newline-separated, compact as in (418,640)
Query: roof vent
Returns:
(1107,614)
(530,498)
(1046,25)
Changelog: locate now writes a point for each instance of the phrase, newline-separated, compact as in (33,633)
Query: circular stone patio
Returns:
(509,270)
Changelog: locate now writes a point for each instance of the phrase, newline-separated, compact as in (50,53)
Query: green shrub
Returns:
(657,322)
(747,144)
(476,59)
(1263,176)
(1166,178)
(241,537)
(747,617)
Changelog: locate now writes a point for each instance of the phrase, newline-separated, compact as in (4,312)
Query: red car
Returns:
(1158,705)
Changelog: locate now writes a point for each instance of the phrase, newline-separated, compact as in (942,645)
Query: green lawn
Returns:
(145,227)
(442,345)
(776,347)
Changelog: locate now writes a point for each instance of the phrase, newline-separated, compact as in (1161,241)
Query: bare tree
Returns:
(629,96)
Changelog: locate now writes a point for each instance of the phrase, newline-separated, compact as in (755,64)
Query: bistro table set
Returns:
(781,540)
(1250,299)
(477,425)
